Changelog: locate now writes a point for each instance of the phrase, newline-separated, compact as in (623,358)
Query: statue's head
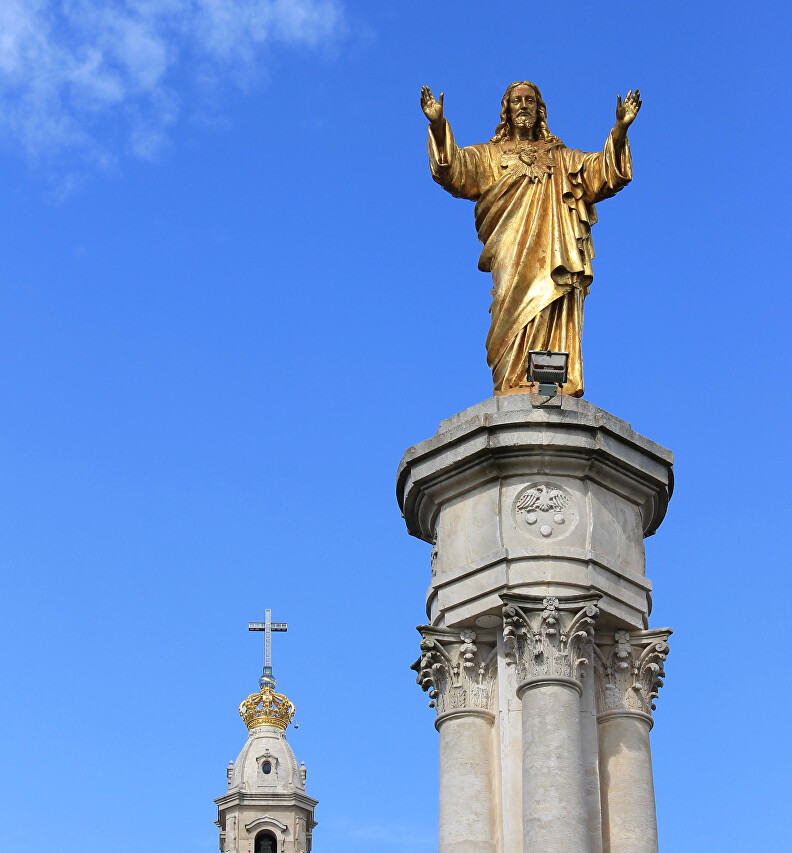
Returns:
(522,105)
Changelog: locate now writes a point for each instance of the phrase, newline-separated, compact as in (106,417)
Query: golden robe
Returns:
(534,212)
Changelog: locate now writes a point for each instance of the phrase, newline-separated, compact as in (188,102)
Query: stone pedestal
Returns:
(537,652)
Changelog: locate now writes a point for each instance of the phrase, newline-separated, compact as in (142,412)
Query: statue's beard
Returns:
(524,120)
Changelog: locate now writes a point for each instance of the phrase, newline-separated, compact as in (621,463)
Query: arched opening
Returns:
(266,843)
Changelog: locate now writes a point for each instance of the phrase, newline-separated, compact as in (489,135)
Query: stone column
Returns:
(548,639)
(629,673)
(459,673)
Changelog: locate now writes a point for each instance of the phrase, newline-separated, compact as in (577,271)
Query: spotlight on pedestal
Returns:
(548,369)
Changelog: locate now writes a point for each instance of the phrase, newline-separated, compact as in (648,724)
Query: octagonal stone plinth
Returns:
(547,499)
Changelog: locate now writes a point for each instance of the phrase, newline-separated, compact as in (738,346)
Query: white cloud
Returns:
(100,76)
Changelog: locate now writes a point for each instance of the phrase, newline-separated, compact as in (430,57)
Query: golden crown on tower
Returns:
(267,708)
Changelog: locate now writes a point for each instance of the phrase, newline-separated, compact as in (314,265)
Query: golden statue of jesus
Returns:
(534,211)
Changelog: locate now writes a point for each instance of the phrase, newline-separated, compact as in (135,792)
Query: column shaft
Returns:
(467,815)
(555,811)
(629,820)
(591,776)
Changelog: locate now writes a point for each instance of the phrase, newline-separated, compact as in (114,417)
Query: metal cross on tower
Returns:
(268,626)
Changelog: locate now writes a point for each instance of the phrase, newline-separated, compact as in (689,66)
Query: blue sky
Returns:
(232,296)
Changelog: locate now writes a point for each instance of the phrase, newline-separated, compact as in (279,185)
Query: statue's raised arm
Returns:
(433,110)
(625,115)
(534,211)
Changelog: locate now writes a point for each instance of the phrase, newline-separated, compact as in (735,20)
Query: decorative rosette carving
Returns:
(548,636)
(456,670)
(629,669)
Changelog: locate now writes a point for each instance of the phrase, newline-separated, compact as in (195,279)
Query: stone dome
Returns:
(266,764)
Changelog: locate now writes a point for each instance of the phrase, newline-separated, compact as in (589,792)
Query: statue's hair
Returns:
(505,130)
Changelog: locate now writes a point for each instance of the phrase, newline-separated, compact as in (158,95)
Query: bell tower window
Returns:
(266,843)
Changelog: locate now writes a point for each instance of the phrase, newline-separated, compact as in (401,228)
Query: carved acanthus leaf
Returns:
(457,671)
(629,669)
(548,636)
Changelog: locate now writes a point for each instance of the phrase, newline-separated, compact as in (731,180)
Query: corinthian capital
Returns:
(456,669)
(628,669)
(548,637)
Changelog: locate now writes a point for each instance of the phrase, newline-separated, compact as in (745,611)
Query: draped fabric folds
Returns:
(534,212)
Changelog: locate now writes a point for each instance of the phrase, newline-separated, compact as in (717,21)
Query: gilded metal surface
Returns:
(266,708)
(535,205)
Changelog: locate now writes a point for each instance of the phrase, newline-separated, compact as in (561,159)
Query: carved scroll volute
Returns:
(549,637)
(456,670)
(629,669)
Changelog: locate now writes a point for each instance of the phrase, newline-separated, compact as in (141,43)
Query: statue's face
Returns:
(523,107)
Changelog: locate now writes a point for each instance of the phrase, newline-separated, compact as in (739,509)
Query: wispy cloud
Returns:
(109,77)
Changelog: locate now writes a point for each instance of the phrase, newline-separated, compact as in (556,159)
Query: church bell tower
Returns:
(266,809)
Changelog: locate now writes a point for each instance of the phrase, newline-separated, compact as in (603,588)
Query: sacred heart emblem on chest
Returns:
(528,161)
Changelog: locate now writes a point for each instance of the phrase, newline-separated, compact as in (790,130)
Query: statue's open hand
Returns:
(433,109)
(627,110)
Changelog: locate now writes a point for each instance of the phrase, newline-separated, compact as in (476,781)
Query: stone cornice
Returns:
(548,637)
(586,556)
(457,669)
(262,798)
(629,670)
(501,434)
